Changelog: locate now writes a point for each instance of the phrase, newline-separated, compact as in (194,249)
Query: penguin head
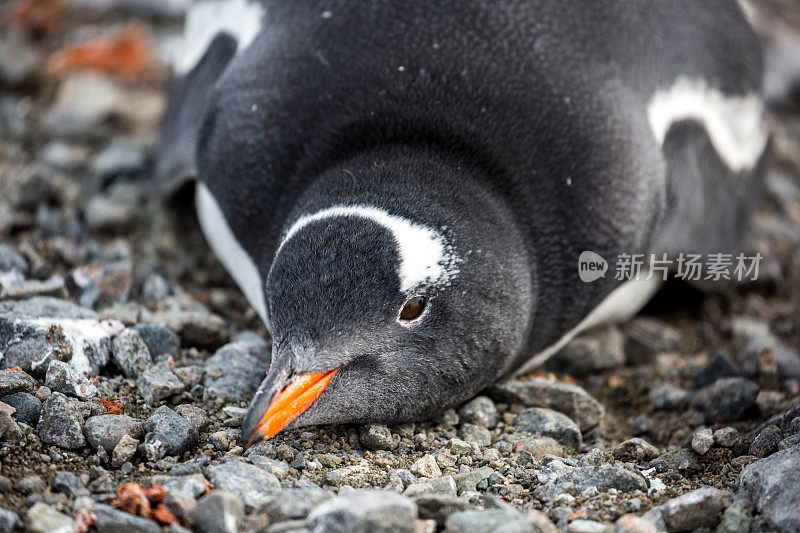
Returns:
(376,317)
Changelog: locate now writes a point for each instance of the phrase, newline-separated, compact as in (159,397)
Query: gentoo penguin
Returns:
(402,189)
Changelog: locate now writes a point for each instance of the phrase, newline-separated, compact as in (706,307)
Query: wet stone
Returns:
(251,483)
(131,353)
(237,369)
(168,433)
(106,431)
(159,382)
(61,423)
(62,377)
(219,511)
(766,442)
(548,423)
(28,407)
(696,509)
(365,511)
(480,411)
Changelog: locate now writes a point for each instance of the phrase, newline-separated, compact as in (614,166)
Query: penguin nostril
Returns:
(413,308)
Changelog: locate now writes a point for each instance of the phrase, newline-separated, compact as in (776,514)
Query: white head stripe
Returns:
(734,123)
(425,256)
(206,19)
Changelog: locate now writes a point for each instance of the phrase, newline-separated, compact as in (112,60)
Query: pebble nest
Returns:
(130,357)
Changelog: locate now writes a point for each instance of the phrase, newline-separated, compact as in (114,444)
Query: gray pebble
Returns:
(726,437)
(195,415)
(131,353)
(161,342)
(252,484)
(193,485)
(479,521)
(376,437)
(718,367)
(677,460)
(68,483)
(107,430)
(110,520)
(236,370)
(647,337)
(41,518)
(636,449)
(168,434)
(293,504)
(13,381)
(702,440)
(62,377)
(28,407)
(219,511)
(595,351)
(158,382)
(548,423)
(365,511)
(727,399)
(766,442)
(439,507)
(31,484)
(667,396)
(473,433)
(196,328)
(124,451)
(9,521)
(480,411)
(61,423)
(693,510)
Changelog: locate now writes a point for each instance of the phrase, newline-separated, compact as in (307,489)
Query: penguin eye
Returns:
(413,308)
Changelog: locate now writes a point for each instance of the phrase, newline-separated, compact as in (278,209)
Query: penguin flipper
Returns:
(183,118)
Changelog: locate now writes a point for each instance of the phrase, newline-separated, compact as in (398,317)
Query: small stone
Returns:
(376,437)
(636,449)
(119,157)
(9,521)
(195,415)
(11,260)
(219,511)
(736,518)
(158,382)
(766,442)
(294,504)
(83,105)
(702,440)
(548,423)
(479,521)
(418,489)
(637,524)
(168,434)
(440,506)
(718,367)
(13,381)
(61,423)
(131,353)
(199,328)
(10,431)
(190,375)
(480,411)
(426,467)
(589,526)
(42,518)
(565,398)
(648,337)
(32,484)
(727,437)
(193,485)
(68,483)
(124,451)
(106,431)
(236,370)
(677,460)
(641,425)
(595,351)
(693,510)
(28,407)
(444,485)
(365,511)
(473,433)
(252,484)
(224,439)
(727,399)
(771,485)
(603,477)
(666,396)
(468,481)
(62,377)
(531,522)
(110,520)
(161,342)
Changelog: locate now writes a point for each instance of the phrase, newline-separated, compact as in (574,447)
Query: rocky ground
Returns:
(130,355)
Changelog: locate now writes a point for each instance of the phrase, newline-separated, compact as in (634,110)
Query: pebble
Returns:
(237,369)
(647,337)
(27,407)
(771,485)
(636,524)
(426,466)
(736,518)
(84,103)
(468,481)
(474,521)
(726,437)
(158,382)
(480,411)
(473,433)
(249,482)
(61,423)
(197,328)
(195,415)
(677,460)
(31,484)
(124,451)
(10,431)
(727,399)
(376,437)
(161,342)
(589,526)
(637,449)
(219,511)
(110,520)
(168,434)
(62,377)
(131,353)
(41,518)
(13,381)
(548,423)
(193,485)
(119,157)
(592,352)
(718,367)
(11,260)
(439,507)
(531,522)
(693,510)
(9,521)
(365,511)
(68,483)
(106,431)
(666,396)
(702,440)
(293,504)
(766,442)
(566,398)
(190,375)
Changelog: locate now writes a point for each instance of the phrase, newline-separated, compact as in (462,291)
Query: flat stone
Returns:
(468,481)
(219,511)
(693,510)
(61,423)
(131,353)
(771,484)
(110,520)
(549,423)
(106,431)
(565,398)
(63,377)
(168,433)
(251,483)
(159,382)
(237,369)
(41,518)
(603,477)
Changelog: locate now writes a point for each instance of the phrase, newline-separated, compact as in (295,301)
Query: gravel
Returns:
(106,431)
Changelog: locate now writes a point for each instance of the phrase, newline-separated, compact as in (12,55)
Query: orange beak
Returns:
(290,403)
